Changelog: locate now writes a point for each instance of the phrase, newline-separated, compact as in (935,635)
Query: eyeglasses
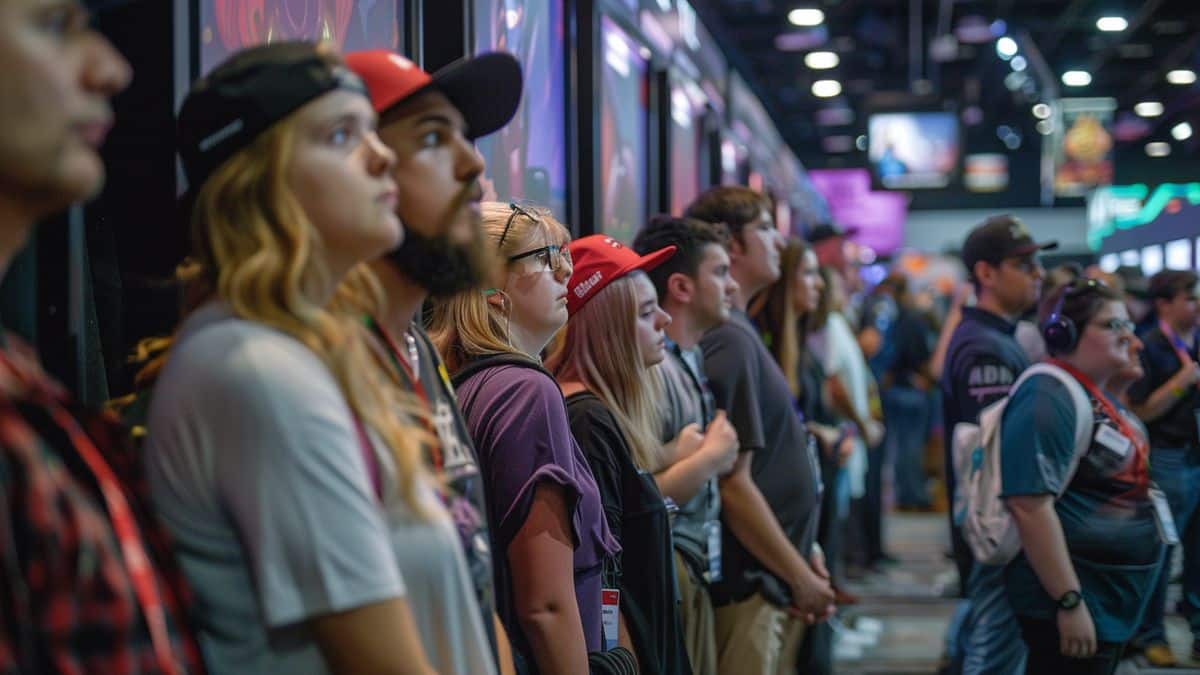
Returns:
(508,223)
(550,258)
(1116,325)
(1026,264)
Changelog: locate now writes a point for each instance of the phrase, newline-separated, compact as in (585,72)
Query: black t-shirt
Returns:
(1176,428)
(748,384)
(911,336)
(637,517)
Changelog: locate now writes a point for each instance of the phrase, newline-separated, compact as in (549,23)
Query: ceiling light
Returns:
(826,88)
(1042,111)
(806,17)
(1045,127)
(1076,78)
(1181,131)
(1158,149)
(1112,24)
(1006,47)
(1181,76)
(1018,63)
(821,60)
(1148,109)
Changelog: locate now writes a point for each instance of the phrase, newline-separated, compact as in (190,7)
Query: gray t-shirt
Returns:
(683,403)
(748,384)
(257,470)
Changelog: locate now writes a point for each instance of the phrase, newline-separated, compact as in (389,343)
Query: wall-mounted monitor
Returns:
(228,26)
(1131,258)
(1110,262)
(1152,260)
(913,150)
(1179,254)
(527,160)
(687,137)
(624,132)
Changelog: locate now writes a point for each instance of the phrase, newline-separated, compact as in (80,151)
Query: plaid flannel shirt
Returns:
(67,604)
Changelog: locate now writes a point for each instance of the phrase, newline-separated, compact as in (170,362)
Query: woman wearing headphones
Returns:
(553,546)
(1092,538)
(313,537)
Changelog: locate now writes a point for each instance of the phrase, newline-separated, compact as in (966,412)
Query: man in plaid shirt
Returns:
(87,581)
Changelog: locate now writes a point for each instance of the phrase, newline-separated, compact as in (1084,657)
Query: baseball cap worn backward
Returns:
(486,89)
(246,95)
(599,260)
(998,238)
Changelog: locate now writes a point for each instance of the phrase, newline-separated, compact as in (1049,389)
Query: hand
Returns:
(844,450)
(1078,633)
(688,441)
(721,443)
(811,594)
(874,432)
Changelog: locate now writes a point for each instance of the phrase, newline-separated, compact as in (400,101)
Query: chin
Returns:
(82,179)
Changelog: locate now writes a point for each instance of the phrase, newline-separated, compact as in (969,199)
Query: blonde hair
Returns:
(599,348)
(466,325)
(774,310)
(256,250)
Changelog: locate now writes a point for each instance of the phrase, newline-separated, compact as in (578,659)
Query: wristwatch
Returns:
(1070,600)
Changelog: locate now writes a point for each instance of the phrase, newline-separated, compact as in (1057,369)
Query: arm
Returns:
(869,430)
(504,654)
(716,455)
(751,520)
(1164,398)
(937,362)
(542,561)
(375,639)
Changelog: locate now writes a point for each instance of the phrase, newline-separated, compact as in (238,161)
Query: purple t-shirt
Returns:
(518,420)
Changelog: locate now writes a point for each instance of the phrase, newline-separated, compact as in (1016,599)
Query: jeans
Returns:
(907,414)
(990,636)
(1177,473)
(1045,653)
(873,505)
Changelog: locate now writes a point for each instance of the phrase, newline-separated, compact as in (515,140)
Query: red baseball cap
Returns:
(598,261)
(486,89)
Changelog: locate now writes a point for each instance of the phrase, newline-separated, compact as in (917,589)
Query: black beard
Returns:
(440,267)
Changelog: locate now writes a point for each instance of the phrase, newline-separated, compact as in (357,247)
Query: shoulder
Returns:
(587,408)
(504,382)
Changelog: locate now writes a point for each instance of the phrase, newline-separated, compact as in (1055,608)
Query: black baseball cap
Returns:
(820,233)
(999,238)
(246,95)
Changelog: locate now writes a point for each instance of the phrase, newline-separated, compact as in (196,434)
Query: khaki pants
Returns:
(755,637)
(696,614)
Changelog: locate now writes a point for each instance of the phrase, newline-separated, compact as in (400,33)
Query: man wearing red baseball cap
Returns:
(430,121)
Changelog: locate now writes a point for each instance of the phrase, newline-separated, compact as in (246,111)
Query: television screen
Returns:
(913,150)
(687,137)
(1152,260)
(227,26)
(624,121)
(1179,255)
(1110,262)
(1131,258)
(526,160)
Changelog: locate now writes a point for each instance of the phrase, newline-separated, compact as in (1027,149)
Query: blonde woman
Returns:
(313,538)
(553,546)
(613,338)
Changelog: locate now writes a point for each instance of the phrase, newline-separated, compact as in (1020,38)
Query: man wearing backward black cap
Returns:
(88,584)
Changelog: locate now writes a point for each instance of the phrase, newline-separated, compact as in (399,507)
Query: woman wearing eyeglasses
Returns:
(1092,538)
(553,546)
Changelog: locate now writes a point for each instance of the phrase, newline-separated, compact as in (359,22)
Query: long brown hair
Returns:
(773,309)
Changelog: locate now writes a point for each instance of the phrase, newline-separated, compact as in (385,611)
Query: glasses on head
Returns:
(1116,325)
(547,258)
(516,210)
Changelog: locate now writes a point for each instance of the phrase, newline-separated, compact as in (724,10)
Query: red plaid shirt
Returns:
(67,604)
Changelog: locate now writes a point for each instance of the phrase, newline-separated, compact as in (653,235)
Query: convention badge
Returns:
(1164,519)
(712,529)
(610,616)
(1114,440)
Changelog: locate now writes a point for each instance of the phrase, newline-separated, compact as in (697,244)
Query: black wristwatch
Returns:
(1070,600)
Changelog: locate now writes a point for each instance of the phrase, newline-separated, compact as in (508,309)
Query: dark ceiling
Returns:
(877,67)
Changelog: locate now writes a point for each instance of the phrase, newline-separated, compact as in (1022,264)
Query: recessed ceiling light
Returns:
(1045,127)
(821,60)
(1042,111)
(1158,149)
(1181,131)
(806,17)
(826,88)
(1148,109)
(1181,76)
(1076,78)
(1006,47)
(1112,24)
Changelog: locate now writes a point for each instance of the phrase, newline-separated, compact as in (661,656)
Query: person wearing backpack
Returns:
(1092,528)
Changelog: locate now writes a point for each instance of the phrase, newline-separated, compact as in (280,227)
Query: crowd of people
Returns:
(402,430)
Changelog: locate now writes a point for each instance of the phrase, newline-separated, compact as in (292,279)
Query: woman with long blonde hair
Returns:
(554,548)
(311,534)
(604,363)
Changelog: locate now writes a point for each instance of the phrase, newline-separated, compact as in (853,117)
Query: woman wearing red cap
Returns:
(613,339)
(543,504)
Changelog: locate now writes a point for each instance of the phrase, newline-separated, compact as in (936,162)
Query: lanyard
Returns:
(414,381)
(1177,344)
(1139,442)
(133,553)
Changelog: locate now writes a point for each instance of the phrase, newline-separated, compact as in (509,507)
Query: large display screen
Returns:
(624,119)
(913,150)
(687,138)
(227,26)
(527,160)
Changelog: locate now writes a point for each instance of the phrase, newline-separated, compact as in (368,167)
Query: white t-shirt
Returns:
(256,468)
(839,354)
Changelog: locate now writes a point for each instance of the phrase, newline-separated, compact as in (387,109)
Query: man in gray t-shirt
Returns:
(694,287)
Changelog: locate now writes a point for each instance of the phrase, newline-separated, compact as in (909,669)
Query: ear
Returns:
(681,288)
(984,273)
(497,299)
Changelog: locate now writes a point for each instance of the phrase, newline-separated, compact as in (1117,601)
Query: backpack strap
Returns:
(1085,419)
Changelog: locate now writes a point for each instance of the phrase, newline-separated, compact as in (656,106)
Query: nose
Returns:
(564,271)
(664,319)
(380,158)
(470,163)
(105,70)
